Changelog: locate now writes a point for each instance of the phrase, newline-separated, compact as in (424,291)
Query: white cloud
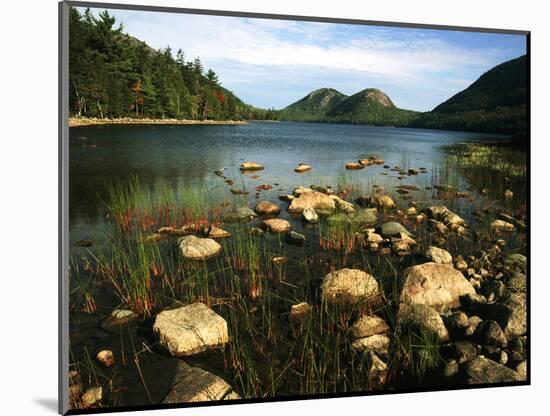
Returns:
(225,43)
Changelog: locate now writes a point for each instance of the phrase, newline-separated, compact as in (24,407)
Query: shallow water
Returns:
(187,156)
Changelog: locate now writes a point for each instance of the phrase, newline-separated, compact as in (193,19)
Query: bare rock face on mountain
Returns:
(313,106)
(190,329)
(435,285)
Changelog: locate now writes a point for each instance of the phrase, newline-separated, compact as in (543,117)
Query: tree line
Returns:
(112,74)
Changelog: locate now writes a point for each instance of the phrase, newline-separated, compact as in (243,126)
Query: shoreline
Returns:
(85,121)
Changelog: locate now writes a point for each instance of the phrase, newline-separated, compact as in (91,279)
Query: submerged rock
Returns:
(153,238)
(295,238)
(195,248)
(435,285)
(240,214)
(119,317)
(190,329)
(483,370)
(349,286)
(255,231)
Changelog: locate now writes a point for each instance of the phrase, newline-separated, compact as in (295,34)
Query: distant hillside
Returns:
(495,103)
(112,74)
(313,106)
(370,106)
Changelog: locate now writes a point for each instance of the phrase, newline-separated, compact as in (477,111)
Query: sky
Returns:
(272,63)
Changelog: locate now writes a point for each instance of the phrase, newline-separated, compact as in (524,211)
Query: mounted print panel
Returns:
(264,208)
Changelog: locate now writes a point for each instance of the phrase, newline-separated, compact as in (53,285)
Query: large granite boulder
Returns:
(435,285)
(190,329)
(349,286)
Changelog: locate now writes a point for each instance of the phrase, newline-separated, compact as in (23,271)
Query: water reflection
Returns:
(188,155)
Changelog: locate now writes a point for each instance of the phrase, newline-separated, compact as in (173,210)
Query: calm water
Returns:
(189,155)
(182,156)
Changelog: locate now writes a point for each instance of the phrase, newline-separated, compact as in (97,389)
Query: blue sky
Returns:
(272,63)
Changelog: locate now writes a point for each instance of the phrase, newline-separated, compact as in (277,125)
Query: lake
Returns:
(189,155)
(126,182)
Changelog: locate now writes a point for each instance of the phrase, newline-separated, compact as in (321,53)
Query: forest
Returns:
(112,74)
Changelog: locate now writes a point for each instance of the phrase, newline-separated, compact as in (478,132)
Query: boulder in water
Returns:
(195,248)
(190,329)
(349,286)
